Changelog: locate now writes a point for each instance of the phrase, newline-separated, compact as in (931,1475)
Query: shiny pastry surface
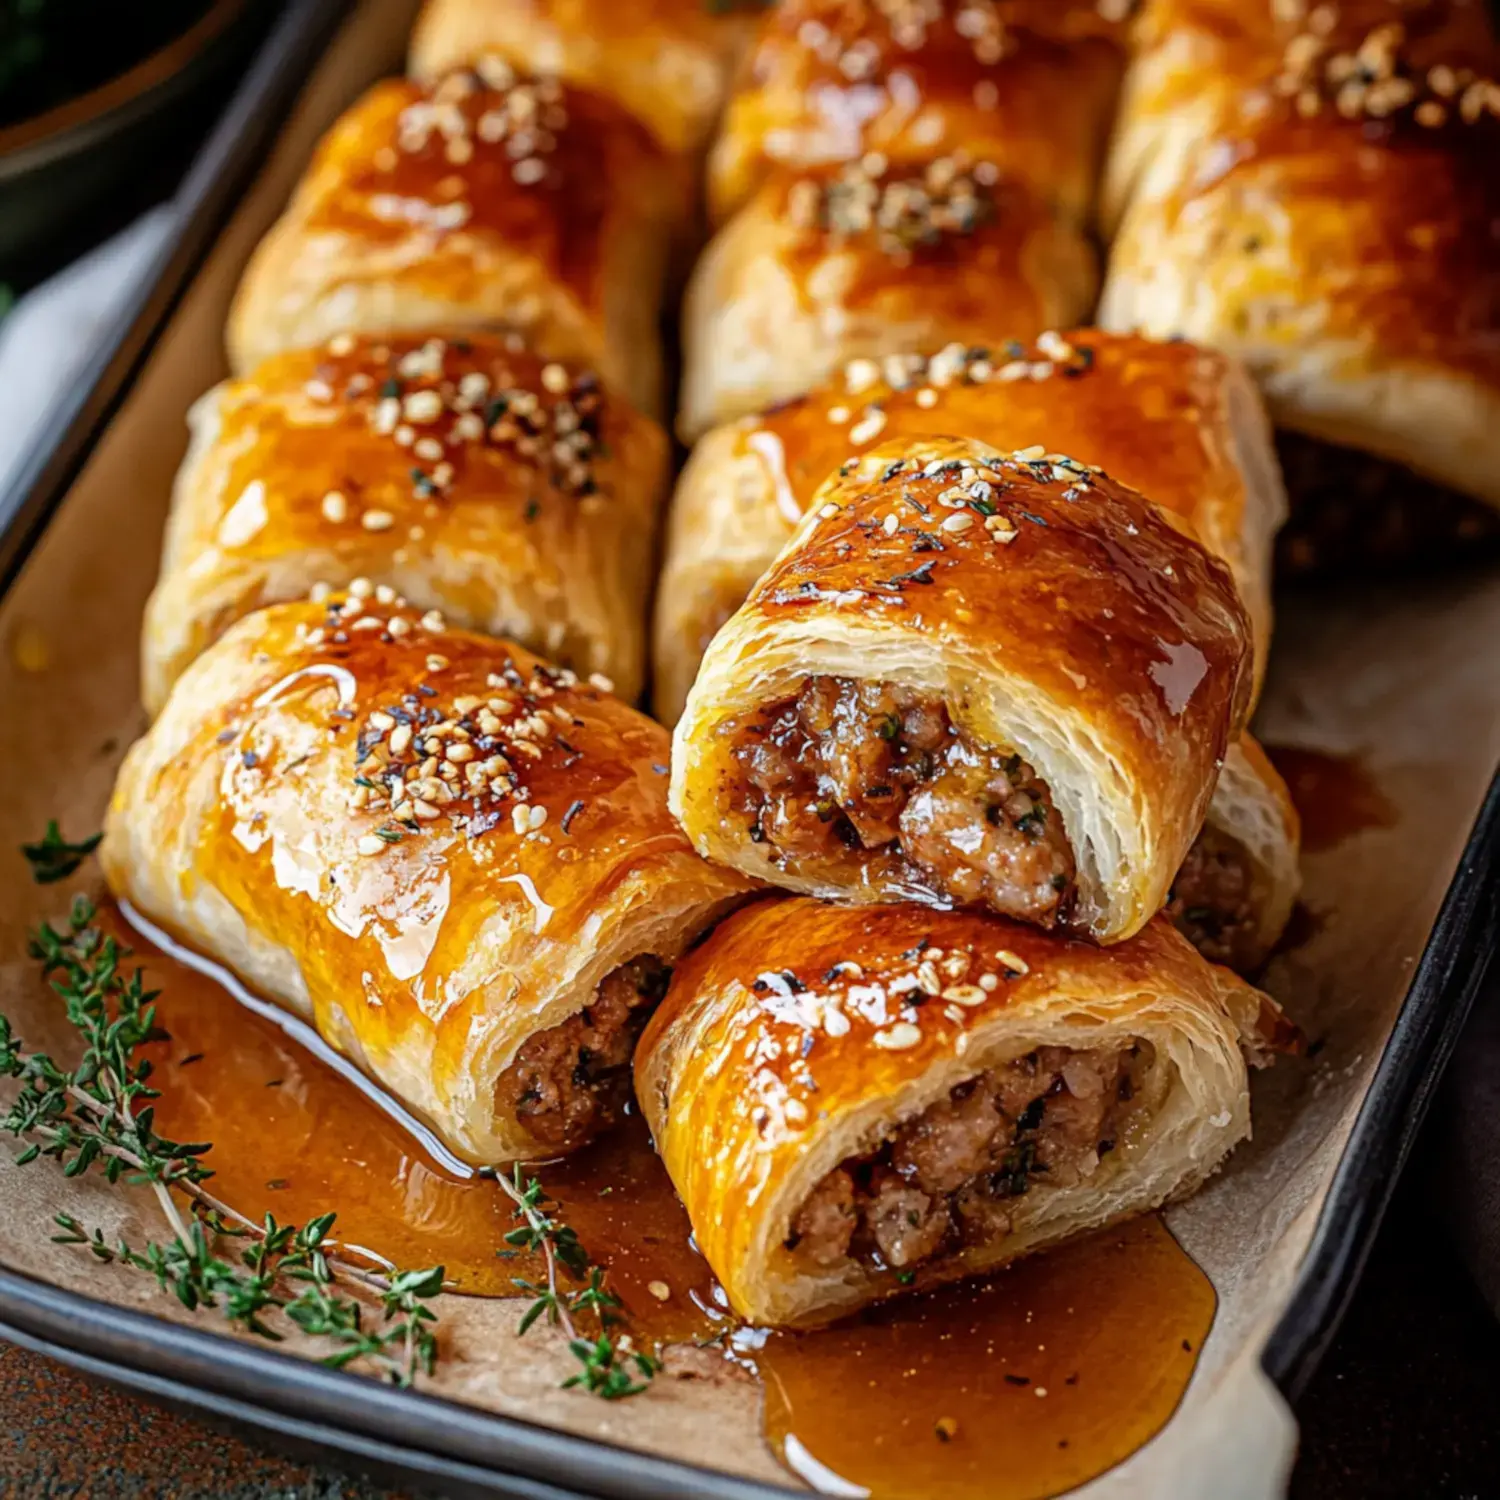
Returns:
(456,860)
(666,61)
(1180,424)
(863,259)
(489,199)
(1315,191)
(854,1102)
(514,493)
(996,679)
(1028,84)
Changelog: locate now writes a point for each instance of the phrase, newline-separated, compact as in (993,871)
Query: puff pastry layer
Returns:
(488,200)
(1028,85)
(859,260)
(514,494)
(855,1103)
(1001,680)
(454,859)
(666,61)
(1315,191)
(1178,423)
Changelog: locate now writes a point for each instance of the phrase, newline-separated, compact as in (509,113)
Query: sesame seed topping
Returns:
(335,507)
(377,520)
(898,1038)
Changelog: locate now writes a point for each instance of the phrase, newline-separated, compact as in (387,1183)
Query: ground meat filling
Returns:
(567,1083)
(952,1176)
(864,769)
(1352,511)
(1213,901)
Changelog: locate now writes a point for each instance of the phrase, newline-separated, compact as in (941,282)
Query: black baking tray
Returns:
(420,1440)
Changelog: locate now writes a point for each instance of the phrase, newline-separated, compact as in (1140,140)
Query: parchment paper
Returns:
(1406,676)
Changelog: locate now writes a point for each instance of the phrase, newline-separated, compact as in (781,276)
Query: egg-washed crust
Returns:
(1055,613)
(1029,85)
(1181,424)
(487,200)
(1315,191)
(430,843)
(514,493)
(835,263)
(668,62)
(800,1034)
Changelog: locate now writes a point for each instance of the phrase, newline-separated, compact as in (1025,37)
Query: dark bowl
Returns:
(71,174)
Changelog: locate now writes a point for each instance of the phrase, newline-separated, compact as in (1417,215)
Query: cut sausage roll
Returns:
(1028,85)
(666,61)
(1004,681)
(1315,190)
(854,1104)
(488,200)
(862,259)
(515,494)
(452,858)
(1181,424)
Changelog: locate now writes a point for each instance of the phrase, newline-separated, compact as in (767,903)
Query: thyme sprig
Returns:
(608,1365)
(53,858)
(99,1114)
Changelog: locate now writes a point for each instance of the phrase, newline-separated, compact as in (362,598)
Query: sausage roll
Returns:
(514,494)
(1029,85)
(666,61)
(452,858)
(1314,189)
(488,200)
(866,259)
(1180,424)
(1000,680)
(854,1104)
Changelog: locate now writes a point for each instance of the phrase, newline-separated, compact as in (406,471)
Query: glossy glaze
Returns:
(1028,85)
(1120,1316)
(667,61)
(801,1031)
(1043,602)
(1176,422)
(427,944)
(520,500)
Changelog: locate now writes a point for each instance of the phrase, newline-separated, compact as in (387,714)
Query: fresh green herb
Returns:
(53,858)
(607,1360)
(889,727)
(99,1114)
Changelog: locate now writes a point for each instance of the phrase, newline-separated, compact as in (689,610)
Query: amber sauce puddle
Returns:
(934,1396)
(1335,796)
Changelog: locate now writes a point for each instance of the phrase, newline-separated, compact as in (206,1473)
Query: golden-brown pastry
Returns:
(666,61)
(866,259)
(855,1103)
(488,200)
(1026,84)
(1314,189)
(455,860)
(1178,423)
(1233,896)
(514,494)
(1001,680)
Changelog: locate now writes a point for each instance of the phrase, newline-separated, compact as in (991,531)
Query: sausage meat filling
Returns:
(1213,901)
(953,1175)
(878,773)
(567,1083)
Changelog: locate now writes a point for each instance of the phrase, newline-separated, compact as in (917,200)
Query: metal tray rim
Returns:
(354,1417)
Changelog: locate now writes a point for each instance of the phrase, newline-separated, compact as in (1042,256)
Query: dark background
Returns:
(1405,1404)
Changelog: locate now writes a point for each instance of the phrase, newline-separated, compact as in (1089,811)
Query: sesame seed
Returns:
(867,430)
(659,1289)
(436,663)
(335,507)
(838,415)
(927,398)
(377,520)
(898,1038)
(1013,962)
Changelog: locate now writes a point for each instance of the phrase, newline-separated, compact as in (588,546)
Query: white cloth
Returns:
(54,329)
